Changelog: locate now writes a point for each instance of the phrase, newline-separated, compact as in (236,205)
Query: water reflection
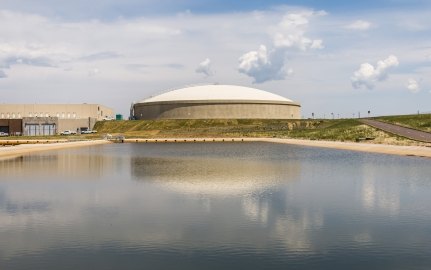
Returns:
(378,191)
(379,195)
(69,165)
(210,175)
(263,204)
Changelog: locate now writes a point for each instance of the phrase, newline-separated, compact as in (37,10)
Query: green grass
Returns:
(200,127)
(335,130)
(416,121)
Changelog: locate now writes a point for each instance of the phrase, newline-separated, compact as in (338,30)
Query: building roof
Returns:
(216,92)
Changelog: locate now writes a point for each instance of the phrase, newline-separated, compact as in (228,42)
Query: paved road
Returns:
(399,130)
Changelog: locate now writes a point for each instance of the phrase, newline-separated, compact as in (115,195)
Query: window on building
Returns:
(13,115)
(19,115)
(74,115)
(58,115)
(62,115)
(30,114)
(2,115)
(68,115)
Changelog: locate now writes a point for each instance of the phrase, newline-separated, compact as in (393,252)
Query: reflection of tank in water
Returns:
(209,175)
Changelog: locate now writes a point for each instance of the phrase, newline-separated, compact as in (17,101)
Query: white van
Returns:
(68,132)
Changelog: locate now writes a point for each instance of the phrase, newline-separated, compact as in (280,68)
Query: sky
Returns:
(336,58)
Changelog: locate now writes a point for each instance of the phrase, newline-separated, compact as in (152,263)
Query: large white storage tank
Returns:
(216,102)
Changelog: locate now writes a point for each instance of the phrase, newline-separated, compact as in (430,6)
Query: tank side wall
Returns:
(216,111)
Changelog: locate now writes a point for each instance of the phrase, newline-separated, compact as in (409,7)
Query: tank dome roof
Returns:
(216,92)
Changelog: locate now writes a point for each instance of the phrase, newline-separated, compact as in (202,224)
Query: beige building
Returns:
(50,119)
(216,102)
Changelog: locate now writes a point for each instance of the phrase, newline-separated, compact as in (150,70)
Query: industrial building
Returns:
(216,102)
(51,119)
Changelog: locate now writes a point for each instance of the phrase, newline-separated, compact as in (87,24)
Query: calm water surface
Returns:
(214,206)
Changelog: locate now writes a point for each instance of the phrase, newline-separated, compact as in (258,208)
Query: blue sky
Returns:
(109,9)
(341,57)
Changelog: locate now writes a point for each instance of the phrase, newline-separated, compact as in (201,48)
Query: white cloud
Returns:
(412,25)
(205,68)
(145,50)
(367,75)
(413,85)
(270,64)
(263,65)
(15,53)
(317,44)
(290,32)
(2,74)
(100,56)
(359,25)
(30,38)
(93,72)
(289,72)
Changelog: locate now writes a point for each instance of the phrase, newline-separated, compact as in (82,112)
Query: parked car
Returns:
(68,132)
(2,134)
(88,131)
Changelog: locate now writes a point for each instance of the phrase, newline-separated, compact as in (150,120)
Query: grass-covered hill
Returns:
(416,121)
(335,130)
(319,129)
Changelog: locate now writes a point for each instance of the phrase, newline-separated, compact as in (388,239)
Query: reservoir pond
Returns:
(249,205)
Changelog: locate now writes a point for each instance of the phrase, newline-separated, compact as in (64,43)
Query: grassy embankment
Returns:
(416,121)
(333,130)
